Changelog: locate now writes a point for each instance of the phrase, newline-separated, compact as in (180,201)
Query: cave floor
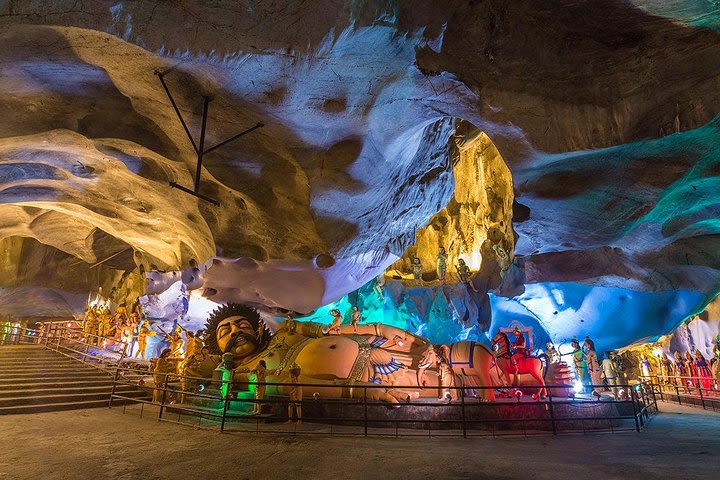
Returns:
(680,442)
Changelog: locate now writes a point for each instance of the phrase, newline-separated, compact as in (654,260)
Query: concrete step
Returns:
(48,367)
(57,376)
(42,383)
(53,407)
(49,398)
(39,391)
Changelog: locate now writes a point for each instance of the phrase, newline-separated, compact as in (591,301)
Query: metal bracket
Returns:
(199,149)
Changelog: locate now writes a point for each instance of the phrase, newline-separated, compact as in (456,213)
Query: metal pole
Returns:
(700,389)
(112,392)
(366,409)
(162,400)
(225,409)
(196,186)
(552,412)
(462,408)
(635,414)
(177,110)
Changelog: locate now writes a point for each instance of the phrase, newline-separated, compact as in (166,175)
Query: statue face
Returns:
(237,336)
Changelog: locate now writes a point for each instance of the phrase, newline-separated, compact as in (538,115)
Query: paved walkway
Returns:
(681,443)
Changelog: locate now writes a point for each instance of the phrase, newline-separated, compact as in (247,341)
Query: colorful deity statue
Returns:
(369,355)
(703,372)
(334,327)
(593,365)
(379,285)
(578,358)
(519,344)
(164,365)
(355,320)
(142,337)
(441,264)
(176,342)
(552,353)
(608,371)
(512,365)
(417,269)
(716,360)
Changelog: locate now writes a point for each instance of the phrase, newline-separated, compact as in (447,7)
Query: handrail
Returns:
(170,385)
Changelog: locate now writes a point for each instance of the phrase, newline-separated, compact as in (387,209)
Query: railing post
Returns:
(635,412)
(112,392)
(700,389)
(552,412)
(462,408)
(164,394)
(226,400)
(365,406)
(87,349)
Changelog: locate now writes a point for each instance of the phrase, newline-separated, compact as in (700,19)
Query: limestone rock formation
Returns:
(607,128)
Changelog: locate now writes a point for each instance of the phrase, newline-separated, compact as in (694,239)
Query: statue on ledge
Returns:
(366,354)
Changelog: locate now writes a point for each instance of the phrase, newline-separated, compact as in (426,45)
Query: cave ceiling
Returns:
(604,113)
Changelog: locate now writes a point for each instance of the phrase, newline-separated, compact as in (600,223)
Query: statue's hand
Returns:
(388,395)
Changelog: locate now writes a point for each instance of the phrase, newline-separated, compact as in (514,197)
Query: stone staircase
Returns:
(34,379)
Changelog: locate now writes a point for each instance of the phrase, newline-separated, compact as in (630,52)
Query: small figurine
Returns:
(417,269)
(447,381)
(355,317)
(463,271)
(261,374)
(552,353)
(503,259)
(334,327)
(379,285)
(441,264)
(295,393)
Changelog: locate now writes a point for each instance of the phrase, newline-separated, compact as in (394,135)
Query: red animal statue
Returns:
(517,364)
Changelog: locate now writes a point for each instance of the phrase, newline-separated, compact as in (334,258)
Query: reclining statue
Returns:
(366,354)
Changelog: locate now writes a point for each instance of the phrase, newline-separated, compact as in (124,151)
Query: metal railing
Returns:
(200,402)
(691,391)
(347,409)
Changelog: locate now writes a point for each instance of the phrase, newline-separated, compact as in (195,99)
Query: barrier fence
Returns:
(356,409)
(346,409)
(685,390)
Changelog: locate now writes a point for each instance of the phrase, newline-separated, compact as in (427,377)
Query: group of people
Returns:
(688,370)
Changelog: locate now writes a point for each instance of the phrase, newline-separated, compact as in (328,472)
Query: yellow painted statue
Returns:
(367,354)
